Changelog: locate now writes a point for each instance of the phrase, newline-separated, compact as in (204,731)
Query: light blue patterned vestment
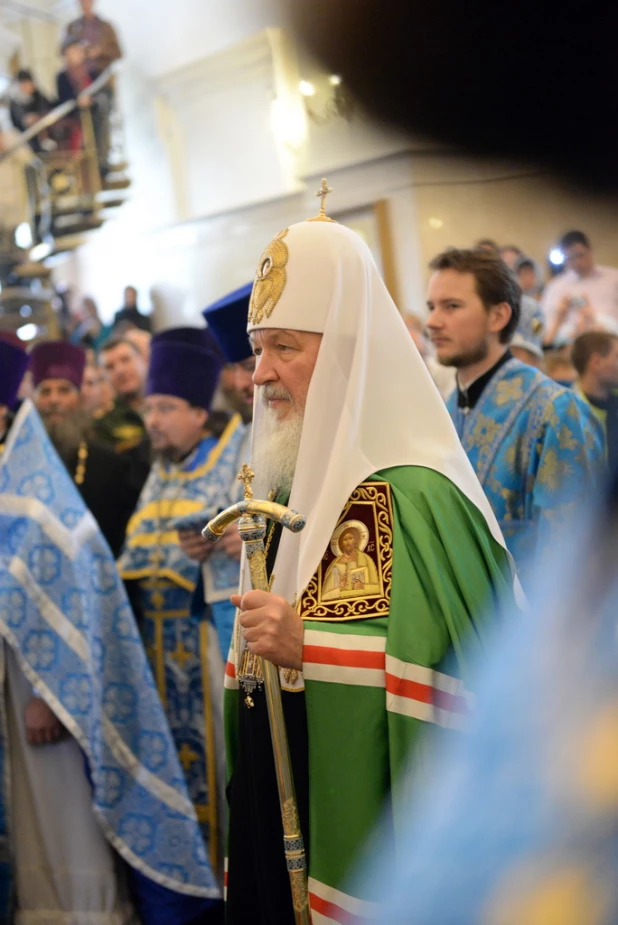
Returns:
(538,453)
(177,639)
(64,613)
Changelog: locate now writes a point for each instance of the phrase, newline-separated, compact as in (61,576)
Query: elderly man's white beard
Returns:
(275,450)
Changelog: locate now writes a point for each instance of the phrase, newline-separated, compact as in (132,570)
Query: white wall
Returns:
(217,172)
(221,109)
(122,252)
(222,155)
(161,36)
(459,200)
(193,263)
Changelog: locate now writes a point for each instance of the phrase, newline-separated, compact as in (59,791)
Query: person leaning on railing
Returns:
(74,80)
(27,105)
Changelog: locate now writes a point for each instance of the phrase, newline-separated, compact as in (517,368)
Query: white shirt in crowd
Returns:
(600,289)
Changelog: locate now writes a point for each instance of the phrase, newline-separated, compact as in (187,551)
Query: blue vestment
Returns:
(65,615)
(538,452)
(177,638)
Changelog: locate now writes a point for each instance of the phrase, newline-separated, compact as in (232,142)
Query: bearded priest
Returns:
(191,474)
(380,608)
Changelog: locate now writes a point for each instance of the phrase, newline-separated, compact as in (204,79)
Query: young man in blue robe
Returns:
(191,474)
(536,448)
(95,820)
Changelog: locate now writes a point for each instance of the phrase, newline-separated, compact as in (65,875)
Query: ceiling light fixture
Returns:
(339,104)
(306,88)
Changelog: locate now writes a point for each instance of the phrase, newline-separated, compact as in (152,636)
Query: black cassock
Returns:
(258,882)
(110,490)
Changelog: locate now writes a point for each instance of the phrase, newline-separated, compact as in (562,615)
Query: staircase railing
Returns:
(60,112)
(29,12)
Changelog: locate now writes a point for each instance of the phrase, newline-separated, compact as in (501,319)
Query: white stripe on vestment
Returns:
(68,541)
(344,674)
(345,641)
(85,530)
(318,919)
(77,642)
(123,754)
(67,720)
(408,671)
(426,712)
(417,707)
(52,614)
(349,903)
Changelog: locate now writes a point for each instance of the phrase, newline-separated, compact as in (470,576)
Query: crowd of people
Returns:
(124,625)
(89,46)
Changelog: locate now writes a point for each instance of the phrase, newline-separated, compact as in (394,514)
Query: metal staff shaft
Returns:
(252,516)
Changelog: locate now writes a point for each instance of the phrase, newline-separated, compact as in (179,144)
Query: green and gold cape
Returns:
(379,669)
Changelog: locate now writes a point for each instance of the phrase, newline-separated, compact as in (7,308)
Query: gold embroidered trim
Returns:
(82,458)
(270,279)
(372,503)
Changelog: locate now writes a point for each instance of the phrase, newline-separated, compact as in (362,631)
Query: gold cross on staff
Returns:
(246,476)
(322,193)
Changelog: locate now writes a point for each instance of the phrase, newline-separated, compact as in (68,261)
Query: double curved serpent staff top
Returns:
(216,527)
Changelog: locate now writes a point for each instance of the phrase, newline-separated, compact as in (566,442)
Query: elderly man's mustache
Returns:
(270,392)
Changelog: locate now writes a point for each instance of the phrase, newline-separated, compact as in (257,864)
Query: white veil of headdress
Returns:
(371,403)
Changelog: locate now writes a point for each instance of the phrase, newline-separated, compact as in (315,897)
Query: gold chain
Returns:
(272,494)
(269,539)
(80,470)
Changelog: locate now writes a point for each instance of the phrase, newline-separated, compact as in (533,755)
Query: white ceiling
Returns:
(159,36)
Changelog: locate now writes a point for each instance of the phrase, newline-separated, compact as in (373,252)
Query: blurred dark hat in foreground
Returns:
(530,81)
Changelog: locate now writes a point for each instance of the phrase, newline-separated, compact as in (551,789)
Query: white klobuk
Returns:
(371,403)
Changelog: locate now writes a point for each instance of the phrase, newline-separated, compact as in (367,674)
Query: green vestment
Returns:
(379,670)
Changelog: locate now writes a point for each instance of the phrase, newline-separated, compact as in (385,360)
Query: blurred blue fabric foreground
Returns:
(65,615)
(518,822)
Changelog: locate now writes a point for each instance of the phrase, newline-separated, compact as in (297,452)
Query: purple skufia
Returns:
(184,371)
(196,337)
(13,365)
(227,319)
(57,359)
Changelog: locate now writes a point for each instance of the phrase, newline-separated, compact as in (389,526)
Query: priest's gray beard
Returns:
(275,450)
(67,434)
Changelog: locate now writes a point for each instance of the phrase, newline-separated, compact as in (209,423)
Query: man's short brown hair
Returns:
(116,341)
(587,345)
(495,282)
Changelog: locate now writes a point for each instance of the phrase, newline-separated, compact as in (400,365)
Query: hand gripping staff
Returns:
(252,516)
